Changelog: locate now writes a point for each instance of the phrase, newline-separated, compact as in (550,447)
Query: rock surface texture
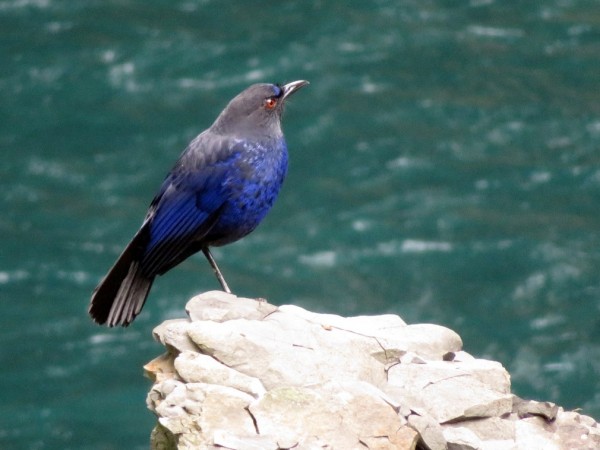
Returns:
(243,374)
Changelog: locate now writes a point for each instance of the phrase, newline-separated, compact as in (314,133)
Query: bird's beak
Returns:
(290,88)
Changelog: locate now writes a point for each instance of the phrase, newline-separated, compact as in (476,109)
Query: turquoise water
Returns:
(444,167)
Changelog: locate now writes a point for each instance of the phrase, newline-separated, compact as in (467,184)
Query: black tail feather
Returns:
(120,296)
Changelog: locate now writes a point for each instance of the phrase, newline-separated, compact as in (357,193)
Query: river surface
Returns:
(444,166)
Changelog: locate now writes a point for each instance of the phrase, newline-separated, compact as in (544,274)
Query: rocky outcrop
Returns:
(244,374)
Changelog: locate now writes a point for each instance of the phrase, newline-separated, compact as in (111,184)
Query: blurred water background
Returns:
(444,167)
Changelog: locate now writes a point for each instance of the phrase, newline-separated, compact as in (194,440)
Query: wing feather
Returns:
(186,209)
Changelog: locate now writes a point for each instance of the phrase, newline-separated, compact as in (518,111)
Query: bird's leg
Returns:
(218,273)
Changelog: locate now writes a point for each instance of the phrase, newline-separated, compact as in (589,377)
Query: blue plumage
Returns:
(220,189)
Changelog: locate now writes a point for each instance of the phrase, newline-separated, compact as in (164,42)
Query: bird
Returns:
(218,191)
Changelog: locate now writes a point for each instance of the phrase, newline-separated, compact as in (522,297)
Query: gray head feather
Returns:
(256,111)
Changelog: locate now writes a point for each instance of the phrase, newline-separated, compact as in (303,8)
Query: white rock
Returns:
(531,435)
(367,325)
(490,373)
(499,445)
(173,334)
(451,391)
(199,368)
(228,439)
(409,401)
(219,306)
(411,358)
(192,411)
(430,431)
(341,414)
(243,374)
(426,340)
(161,368)
(460,438)
(463,356)
(576,431)
(288,350)
(526,408)
(489,429)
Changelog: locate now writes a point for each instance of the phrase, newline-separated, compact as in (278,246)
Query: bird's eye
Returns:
(270,103)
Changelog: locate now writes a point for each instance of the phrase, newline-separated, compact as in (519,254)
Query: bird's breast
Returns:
(252,185)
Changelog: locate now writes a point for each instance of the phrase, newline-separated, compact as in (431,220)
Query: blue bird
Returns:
(219,190)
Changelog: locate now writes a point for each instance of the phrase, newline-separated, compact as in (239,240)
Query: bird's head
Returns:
(256,110)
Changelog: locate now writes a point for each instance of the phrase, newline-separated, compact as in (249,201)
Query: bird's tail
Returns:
(122,293)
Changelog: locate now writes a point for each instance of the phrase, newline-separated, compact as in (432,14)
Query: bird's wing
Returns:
(186,208)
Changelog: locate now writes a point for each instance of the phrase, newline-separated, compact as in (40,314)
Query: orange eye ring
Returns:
(270,103)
